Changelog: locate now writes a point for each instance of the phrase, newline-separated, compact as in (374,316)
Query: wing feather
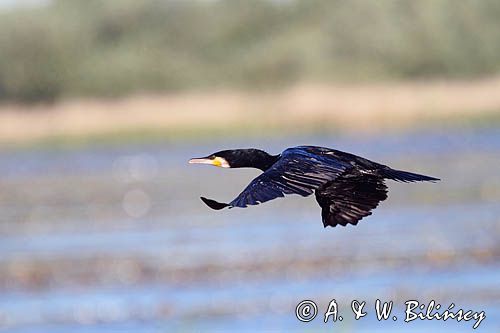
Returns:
(350,197)
(298,171)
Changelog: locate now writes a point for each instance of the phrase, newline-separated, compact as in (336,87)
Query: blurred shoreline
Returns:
(303,108)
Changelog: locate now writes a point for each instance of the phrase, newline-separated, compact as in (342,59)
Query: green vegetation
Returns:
(115,47)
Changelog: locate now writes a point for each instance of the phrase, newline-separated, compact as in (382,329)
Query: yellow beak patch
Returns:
(220,162)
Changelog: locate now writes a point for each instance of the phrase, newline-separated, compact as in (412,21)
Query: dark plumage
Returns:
(346,186)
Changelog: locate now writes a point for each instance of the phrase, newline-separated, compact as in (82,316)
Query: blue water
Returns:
(74,259)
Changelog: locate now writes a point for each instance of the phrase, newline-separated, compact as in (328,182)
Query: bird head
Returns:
(238,158)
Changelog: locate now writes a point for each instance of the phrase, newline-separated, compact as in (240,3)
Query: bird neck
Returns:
(264,162)
(254,158)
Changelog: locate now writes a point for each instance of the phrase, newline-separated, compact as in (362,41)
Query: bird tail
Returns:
(407,177)
(214,204)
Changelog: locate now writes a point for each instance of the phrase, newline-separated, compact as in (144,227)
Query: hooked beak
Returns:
(217,161)
(203,160)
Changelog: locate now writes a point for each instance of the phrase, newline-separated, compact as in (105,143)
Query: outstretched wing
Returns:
(350,197)
(298,171)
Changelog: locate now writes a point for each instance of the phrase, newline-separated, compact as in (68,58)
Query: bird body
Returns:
(347,187)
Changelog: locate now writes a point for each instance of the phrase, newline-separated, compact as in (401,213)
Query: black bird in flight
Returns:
(347,187)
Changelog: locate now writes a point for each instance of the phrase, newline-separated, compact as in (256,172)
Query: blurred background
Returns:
(103,102)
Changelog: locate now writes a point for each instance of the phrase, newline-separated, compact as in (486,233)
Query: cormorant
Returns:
(347,187)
